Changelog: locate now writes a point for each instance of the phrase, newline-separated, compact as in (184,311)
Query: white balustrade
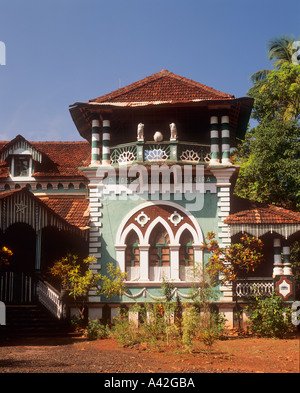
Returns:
(51,299)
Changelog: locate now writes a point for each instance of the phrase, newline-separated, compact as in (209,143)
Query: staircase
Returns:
(31,320)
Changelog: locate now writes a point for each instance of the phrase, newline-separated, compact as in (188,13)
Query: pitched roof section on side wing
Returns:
(55,158)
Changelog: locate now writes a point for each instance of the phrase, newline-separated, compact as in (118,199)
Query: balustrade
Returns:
(162,152)
(50,298)
(254,286)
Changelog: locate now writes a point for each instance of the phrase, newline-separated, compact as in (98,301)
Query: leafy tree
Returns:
(225,264)
(270,164)
(77,279)
(278,96)
(281,51)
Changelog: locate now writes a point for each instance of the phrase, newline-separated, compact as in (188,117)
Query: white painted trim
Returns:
(130,227)
(197,238)
(154,203)
(164,224)
(95,123)
(106,123)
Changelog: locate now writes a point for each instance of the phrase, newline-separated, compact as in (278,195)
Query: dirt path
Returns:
(75,355)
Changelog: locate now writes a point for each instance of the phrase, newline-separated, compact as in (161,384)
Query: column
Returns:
(225,140)
(198,260)
(38,251)
(214,140)
(120,256)
(287,266)
(174,261)
(277,267)
(144,262)
(106,143)
(95,159)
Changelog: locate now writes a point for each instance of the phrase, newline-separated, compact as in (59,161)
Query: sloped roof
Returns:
(74,210)
(164,86)
(27,201)
(19,142)
(162,89)
(58,158)
(264,214)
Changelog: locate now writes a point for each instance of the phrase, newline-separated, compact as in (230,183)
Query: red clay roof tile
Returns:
(58,159)
(74,210)
(264,214)
(163,86)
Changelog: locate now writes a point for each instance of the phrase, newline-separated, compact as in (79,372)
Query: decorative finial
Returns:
(173,130)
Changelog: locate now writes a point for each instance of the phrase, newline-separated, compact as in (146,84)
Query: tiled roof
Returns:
(72,215)
(164,86)
(74,210)
(264,214)
(64,158)
(58,158)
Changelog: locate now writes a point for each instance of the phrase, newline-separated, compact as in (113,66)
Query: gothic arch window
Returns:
(159,247)
(186,251)
(132,254)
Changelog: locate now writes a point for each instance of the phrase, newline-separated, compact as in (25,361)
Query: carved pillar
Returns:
(277,267)
(225,140)
(214,140)
(287,266)
(106,143)
(95,159)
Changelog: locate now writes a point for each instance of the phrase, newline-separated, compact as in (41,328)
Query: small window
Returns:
(21,166)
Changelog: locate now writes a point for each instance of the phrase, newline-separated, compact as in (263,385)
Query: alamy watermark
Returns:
(296,54)
(157,182)
(2,53)
(296,313)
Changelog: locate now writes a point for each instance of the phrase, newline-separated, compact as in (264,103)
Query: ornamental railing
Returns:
(51,299)
(162,152)
(253,286)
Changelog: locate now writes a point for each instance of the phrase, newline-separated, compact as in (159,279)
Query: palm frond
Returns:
(259,76)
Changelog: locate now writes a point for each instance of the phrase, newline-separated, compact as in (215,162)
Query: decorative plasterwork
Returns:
(175,218)
(142,219)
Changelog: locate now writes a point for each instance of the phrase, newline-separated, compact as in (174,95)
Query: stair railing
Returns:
(51,298)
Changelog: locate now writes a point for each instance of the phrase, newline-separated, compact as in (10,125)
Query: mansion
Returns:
(150,177)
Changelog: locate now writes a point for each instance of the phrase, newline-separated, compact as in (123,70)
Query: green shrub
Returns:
(95,330)
(268,317)
(124,330)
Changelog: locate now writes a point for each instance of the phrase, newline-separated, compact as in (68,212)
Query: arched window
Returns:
(132,250)
(159,247)
(186,252)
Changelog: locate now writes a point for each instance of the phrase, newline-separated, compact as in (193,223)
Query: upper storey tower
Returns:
(163,118)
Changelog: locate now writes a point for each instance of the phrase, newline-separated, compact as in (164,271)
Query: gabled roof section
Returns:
(27,208)
(162,87)
(56,158)
(19,143)
(74,210)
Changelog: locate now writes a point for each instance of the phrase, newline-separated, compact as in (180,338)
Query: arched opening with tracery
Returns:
(158,246)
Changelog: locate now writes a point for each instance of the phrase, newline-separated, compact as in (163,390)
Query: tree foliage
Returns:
(78,279)
(278,96)
(280,51)
(270,154)
(227,263)
(270,164)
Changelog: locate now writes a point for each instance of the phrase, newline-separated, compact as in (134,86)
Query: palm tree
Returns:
(280,50)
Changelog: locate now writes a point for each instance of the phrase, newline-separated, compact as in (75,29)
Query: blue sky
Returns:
(61,52)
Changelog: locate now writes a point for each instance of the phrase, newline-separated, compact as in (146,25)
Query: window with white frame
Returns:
(21,165)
